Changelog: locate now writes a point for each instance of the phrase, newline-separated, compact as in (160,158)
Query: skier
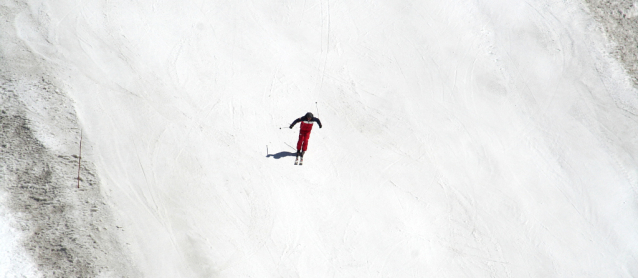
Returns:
(304,134)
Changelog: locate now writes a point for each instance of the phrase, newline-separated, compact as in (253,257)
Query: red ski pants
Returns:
(303,141)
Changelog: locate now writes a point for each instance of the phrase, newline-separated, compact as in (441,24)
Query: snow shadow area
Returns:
(281,154)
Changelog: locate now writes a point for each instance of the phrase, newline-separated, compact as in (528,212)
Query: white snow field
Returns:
(461,138)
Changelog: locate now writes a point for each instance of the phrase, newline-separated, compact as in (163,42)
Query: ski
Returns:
(299,158)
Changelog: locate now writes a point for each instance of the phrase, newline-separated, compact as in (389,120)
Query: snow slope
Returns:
(461,138)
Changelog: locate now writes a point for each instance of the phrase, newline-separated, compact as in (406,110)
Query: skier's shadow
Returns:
(281,154)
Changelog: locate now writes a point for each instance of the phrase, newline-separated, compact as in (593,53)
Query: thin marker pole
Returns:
(80,159)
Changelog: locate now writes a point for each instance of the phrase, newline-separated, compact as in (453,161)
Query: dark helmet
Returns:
(309,115)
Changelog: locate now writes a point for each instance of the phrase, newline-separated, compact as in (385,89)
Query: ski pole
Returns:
(317,107)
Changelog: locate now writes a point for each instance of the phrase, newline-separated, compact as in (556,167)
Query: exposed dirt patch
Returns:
(69,231)
(619,18)
(66,230)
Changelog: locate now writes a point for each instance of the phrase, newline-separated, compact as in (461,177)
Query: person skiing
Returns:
(307,122)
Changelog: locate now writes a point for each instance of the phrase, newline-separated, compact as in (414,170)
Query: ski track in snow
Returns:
(461,138)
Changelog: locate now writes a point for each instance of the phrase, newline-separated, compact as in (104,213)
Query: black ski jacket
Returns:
(305,124)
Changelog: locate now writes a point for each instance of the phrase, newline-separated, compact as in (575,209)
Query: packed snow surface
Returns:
(482,138)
